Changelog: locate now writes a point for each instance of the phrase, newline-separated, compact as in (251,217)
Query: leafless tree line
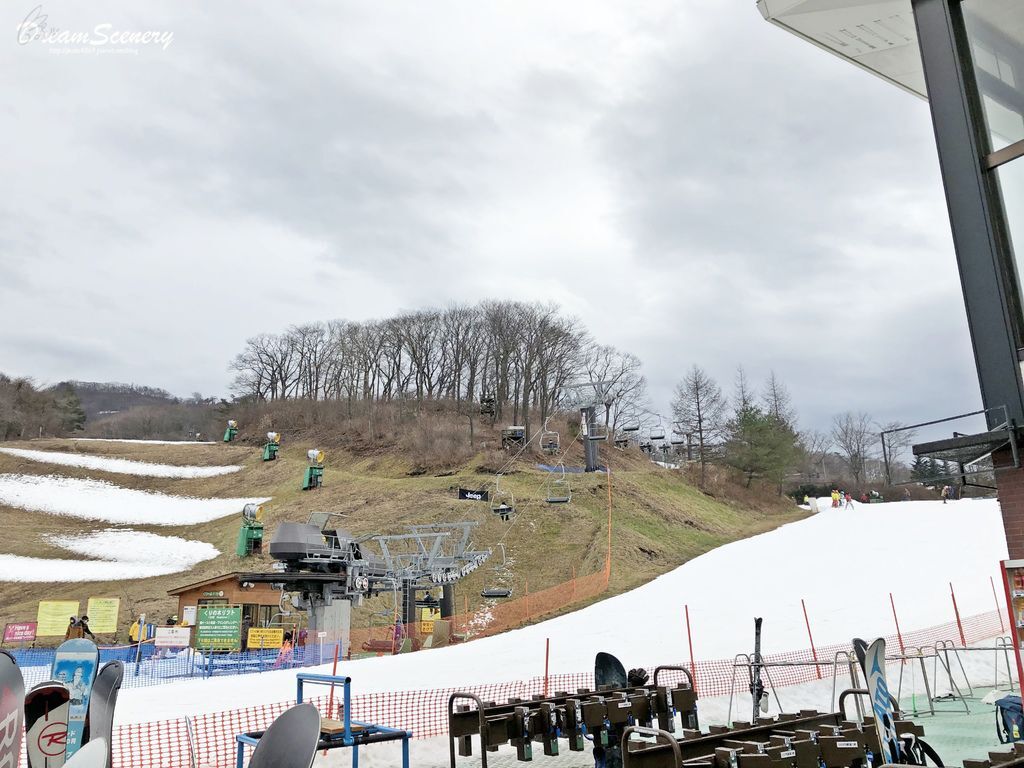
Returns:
(526,356)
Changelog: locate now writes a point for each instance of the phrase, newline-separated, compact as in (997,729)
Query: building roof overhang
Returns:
(876,35)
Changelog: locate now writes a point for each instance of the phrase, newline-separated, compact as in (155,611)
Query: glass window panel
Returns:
(1011,183)
(995,29)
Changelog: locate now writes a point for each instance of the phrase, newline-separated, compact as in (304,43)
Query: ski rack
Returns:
(1011,759)
(602,715)
(809,739)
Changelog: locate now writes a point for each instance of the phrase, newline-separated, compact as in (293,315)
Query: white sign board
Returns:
(172,637)
(188,615)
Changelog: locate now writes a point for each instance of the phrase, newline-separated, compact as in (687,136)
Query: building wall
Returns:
(228,591)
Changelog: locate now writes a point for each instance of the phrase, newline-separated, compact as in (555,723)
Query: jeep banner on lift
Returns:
(472,495)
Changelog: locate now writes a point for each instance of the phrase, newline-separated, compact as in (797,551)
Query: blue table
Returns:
(363,734)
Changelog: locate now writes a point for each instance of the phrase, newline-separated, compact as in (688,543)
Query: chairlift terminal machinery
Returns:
(328,569)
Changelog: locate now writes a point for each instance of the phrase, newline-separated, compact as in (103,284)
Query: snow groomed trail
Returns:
(916,550)
(119,466)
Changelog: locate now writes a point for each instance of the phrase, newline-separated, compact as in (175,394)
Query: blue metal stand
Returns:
(363,735)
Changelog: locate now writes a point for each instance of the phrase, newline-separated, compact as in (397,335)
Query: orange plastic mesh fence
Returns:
(209,740)
(490,620)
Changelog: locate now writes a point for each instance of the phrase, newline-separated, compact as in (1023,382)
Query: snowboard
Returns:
(608,672)
(46,724)
(872,658)
(12,715)
(75,665)
(102,700)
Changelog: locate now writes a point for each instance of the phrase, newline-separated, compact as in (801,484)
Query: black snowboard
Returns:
(608,672)
(46,724)
(99,724)
(12,712)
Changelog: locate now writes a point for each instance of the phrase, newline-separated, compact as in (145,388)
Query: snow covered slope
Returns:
(118,466)
(844,564)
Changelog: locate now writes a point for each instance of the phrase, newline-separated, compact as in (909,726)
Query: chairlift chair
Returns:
(549,440)
(503,503)
(631,428)
(557,489)
(496,593)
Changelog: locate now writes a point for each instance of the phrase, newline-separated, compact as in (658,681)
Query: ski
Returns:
(12,698)
(102,700)
(757,691)
(75,665)
(872,659)
(46,724)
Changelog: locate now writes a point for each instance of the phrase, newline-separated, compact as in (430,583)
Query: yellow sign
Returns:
(102,613)
(427,618)
(265,638)
(53,617)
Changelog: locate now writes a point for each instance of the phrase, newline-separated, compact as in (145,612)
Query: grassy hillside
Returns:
(659,518)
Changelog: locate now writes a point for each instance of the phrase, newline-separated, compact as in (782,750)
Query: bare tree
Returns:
(778,402)
(699,408)
(853,434)
(816,446)
(895,438)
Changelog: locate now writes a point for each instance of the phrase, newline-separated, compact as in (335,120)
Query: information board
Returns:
(53,617)
(219,628)
(172,637)
(260,637)
(20,632)
(102,613)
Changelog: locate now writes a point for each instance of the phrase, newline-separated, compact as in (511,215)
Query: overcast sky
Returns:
(693,183)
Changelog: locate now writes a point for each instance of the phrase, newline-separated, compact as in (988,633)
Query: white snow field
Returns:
(98,500)
(119,466)
(124,555)
(844,564)
(142,442)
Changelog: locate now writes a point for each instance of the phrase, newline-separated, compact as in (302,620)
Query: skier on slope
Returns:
(849,501)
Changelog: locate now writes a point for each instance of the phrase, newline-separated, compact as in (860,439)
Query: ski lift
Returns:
(503,503)
(622,442)
(500,568)
(549,440)
(496,593)
(631,428)
(557,490)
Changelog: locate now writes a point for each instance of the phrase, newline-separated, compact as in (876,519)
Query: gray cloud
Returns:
(696,185)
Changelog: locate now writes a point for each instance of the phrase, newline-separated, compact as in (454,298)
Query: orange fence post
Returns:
(689,639)
(814,652)
(574,584)
(999,610)
(547,656)
(899,635)
(527,599)
(956,612)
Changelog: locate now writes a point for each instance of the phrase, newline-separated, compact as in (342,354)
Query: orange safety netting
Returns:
(489,620)
(209,740)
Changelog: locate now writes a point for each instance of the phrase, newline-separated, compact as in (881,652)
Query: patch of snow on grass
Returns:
(143,442)
(118,466)
(125,555)
(98,500)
